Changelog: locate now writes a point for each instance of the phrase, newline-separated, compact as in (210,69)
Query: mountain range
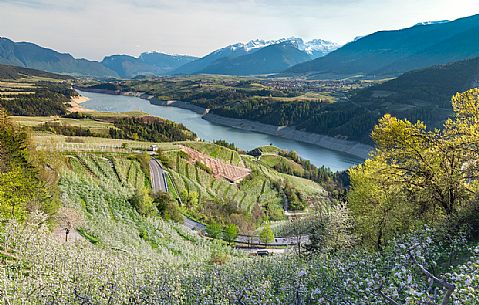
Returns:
(254,57)
(379,55)
(149,63)
(29,55)
(391,53)
(271,59)
(259,57)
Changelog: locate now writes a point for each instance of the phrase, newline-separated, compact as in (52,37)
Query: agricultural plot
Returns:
(48,141)
(280,161)
(13,89)
(260,192)
(216,151)
(100,186)
(254,191)
(95,126)
(219,168)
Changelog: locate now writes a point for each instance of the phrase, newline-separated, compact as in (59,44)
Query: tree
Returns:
(331,230)
(416,175)
(143,203)
(193,199)
(69,219)
(231,233)
(16,190)
(167,207)
(214,230)
(266,236)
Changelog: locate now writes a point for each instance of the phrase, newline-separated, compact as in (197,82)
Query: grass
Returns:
(48,141)
(275,160)
(270,149)
(216,151)
(95,126)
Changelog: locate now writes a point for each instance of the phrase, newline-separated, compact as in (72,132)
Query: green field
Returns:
(95,126)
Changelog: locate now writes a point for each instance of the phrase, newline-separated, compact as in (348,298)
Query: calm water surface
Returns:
(208,131)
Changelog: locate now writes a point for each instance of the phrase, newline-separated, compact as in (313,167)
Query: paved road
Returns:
(158,184)
(251,240)
(158,177)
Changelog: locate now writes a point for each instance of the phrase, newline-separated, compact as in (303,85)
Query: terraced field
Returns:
(218,167)
(259,195)
(216,151)
(100,187)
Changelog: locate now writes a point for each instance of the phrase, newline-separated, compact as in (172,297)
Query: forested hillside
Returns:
(32,92)
(25,185)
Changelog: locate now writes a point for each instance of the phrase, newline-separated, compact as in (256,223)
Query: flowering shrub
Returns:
(38,269)
(139,260)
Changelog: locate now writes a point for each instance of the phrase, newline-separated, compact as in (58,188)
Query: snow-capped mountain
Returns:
(315,47)
(312,49)
(431,22)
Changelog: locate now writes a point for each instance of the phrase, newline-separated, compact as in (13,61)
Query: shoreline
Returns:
(356,149)
(75,104)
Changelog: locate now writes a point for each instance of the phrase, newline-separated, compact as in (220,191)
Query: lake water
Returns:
(208,131)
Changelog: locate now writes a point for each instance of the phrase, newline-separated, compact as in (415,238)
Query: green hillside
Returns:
(418,95)
(258,198)
(31,92)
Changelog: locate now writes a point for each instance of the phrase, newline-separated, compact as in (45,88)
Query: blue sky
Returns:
(95,28)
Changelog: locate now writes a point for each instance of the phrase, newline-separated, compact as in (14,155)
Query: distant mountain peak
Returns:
(30,55)
(311,47)
(148,63)
(431,22)
(393,52)
(223,57)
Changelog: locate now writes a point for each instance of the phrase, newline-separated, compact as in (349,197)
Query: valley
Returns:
(209,131)
(273,171)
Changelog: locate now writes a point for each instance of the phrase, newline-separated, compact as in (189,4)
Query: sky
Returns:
(93,29)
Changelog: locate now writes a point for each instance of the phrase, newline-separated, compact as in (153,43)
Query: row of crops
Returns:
(101,186)
(260,193)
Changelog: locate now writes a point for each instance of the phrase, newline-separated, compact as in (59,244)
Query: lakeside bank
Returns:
(75,104)
(352,148)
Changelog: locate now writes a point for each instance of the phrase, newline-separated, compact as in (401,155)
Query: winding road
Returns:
(159,184)
(158,177)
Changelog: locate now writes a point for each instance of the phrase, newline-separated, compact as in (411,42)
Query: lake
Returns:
(246,140)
